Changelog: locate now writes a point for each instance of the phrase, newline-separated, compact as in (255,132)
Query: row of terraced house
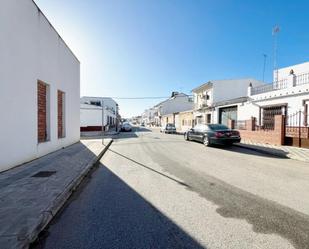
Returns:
(274,113)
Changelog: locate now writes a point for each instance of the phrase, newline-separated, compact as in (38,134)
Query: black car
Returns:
(213,134)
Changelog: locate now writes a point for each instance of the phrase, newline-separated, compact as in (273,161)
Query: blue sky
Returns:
(130,48)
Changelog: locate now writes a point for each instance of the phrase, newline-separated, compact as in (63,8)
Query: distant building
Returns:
(185,121)
(167,110)
(91,114)
(40,86)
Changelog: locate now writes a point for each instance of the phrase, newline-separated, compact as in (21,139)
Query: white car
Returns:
(168,128)
(126,127)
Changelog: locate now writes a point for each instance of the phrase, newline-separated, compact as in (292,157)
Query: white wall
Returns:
(283,73)
(179,103)
(231,89)
(31,50)
(110,108)
(292,96)
(93,117)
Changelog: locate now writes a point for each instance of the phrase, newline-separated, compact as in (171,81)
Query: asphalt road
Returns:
(154,190)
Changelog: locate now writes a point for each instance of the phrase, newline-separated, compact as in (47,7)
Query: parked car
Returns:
(126,127)
(168,128)
(210,134)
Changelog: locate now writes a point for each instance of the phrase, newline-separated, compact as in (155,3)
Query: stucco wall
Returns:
(230,89)
(178,104)
(292,96)
(31,50)
(285,71)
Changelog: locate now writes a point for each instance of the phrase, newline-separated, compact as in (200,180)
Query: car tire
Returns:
(206,141)
(186,137)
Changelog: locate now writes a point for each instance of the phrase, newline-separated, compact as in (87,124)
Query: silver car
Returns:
(168,128)
(126,127)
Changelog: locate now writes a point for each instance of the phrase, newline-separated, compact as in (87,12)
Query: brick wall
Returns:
(275,137)
(60,99)
(42,112)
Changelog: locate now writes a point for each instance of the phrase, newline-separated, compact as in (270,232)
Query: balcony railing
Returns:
(280,84)
(302,79)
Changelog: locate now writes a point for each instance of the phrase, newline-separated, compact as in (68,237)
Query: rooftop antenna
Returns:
(275,32)
(264,65)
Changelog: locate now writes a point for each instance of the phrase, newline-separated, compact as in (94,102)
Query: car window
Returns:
(217,127)
(197,127)
(203,128)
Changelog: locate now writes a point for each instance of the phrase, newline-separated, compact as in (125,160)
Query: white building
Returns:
(287,96)
(39,86)
(209,96)
(178,102)
(150,117)
(91,113)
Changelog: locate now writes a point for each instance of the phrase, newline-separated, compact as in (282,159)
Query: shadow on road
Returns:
(254,151)
(149,168)
(108,213)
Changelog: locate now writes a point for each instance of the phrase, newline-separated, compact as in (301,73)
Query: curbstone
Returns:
(268,151)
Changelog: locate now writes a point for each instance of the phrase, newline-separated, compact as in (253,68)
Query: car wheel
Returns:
(186,137)
(206,141)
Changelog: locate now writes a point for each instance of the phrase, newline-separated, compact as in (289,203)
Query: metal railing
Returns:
(280,84)
(302,79)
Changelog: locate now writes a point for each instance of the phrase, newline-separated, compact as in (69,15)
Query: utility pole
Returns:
(102,105)
(264,65)
(275,32)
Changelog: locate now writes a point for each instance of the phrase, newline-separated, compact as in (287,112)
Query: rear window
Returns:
(218,127)
(170,125)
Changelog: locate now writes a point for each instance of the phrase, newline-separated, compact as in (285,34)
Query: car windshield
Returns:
(216,127)
(170,125)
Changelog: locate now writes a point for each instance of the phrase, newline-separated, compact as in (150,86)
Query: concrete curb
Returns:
(48,214)
(268,151)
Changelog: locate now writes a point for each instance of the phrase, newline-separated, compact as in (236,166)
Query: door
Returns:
(194,132)
(227,113)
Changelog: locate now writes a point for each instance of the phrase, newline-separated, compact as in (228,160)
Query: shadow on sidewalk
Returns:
(108,213)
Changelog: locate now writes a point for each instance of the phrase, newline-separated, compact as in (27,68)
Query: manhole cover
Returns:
(44,174)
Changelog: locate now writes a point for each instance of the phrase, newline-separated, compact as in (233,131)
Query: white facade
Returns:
(291,91)
(91,112)
(179,102)
(32,50)
(207,95)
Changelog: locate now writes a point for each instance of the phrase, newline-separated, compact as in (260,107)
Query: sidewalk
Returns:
(31,194)
(296,153)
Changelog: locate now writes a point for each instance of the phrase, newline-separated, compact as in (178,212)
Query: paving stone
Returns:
(27,202)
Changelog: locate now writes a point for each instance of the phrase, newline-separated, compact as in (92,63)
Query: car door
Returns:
(200,133)
(194,132)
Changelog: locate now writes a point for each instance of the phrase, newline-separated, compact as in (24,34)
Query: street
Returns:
(155,190)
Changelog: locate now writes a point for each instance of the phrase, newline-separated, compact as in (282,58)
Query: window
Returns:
(43,111)
(208,118)
(97,103)
(61,117)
